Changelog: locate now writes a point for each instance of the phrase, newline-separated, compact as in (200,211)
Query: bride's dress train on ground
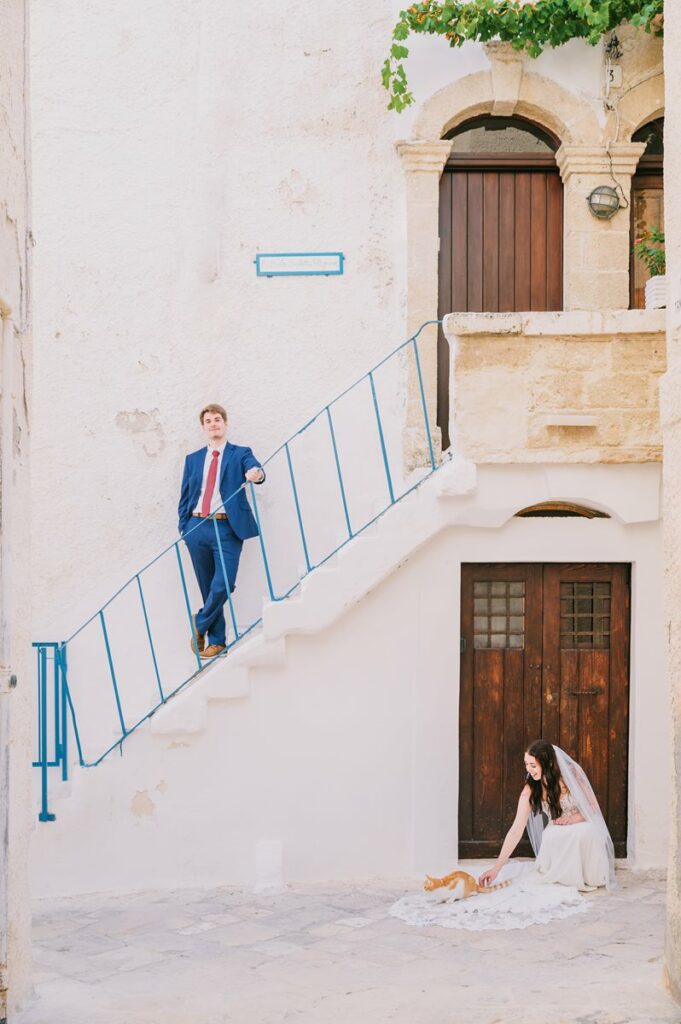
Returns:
(528,901)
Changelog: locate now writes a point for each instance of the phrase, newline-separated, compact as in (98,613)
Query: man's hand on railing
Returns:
(255,475)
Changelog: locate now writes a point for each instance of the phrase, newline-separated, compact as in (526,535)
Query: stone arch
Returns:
(508,89)
(640,104)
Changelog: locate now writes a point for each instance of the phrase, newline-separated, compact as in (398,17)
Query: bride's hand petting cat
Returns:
(487,877)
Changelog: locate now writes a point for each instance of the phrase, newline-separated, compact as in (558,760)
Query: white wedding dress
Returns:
(572,855)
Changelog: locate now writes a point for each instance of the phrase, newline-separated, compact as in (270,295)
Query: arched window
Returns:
(511,136)
(557,509)
(647,201)
(501,226)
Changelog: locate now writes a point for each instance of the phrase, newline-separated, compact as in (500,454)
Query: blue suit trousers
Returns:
(205,544)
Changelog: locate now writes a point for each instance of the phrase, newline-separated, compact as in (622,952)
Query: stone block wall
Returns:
(556,387)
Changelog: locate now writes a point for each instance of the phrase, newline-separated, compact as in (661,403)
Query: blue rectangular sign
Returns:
(299,264)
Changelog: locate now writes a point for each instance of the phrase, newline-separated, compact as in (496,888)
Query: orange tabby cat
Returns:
(461,883)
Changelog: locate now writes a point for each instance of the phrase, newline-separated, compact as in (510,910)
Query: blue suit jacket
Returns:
(235,461)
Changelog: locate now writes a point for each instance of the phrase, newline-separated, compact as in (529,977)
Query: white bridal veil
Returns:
(576,781)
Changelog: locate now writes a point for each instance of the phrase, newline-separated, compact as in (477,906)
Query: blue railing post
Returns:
(297,504)
(151,642)
(56,686)
(39,705)
(192,627)
(382,439)
(68,703)
(338,471)
(113,674)
(265,562)
(423,401)
(60,670)
(44,814)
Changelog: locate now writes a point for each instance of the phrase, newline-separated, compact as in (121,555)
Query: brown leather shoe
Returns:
(199,639)
(213,650)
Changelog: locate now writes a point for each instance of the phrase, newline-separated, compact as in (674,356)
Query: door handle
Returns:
(584,693)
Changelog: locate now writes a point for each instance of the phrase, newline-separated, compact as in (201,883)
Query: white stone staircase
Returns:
(323,597)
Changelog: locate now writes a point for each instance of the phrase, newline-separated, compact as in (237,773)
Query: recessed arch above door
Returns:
(500,226)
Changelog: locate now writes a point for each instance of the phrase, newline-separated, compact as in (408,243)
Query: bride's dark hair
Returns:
(545,756)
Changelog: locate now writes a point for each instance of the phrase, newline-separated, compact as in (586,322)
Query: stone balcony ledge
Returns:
(575,386)
(577,323)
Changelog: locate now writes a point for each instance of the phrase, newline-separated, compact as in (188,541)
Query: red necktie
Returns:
(210,484)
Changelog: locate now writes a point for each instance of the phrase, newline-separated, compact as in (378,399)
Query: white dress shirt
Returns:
(216,501)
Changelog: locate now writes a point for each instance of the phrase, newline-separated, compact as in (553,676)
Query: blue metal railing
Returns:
(143,673)
(55,705)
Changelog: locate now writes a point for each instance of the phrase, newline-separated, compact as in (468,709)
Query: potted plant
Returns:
(649,248)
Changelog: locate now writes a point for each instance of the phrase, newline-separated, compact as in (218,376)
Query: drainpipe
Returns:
(7,678)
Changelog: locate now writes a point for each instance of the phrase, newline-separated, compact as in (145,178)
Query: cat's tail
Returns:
(493,888)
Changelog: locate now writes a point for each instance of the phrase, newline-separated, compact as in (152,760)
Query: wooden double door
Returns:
(501,238)
(544,654)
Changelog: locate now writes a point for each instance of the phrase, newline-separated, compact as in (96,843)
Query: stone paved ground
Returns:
(322,953)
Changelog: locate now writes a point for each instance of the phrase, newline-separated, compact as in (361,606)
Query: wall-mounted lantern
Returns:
(604,202)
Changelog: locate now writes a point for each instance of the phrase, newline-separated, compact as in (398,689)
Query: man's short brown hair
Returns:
(213,408)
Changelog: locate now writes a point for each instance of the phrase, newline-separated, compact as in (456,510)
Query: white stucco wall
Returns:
(171,143)
(16,663)
(348,754)
(185,141)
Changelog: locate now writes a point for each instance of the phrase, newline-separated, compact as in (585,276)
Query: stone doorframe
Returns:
(596,252)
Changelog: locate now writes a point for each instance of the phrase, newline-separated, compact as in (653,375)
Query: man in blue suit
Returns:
(211,476)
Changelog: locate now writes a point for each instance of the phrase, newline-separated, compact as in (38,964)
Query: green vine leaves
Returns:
(529,26)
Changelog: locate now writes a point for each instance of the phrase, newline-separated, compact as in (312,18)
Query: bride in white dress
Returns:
(571,842)
(564,822)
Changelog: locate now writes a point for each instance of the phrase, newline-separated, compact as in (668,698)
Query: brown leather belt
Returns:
(216,515)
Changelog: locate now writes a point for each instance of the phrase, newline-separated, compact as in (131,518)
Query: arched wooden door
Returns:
(500,228)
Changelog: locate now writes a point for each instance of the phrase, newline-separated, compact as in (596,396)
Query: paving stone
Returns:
(330,952)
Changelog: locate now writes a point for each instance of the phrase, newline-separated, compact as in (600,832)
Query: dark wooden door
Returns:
(501,245)
(545,653)
(647,211)
(501,239)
